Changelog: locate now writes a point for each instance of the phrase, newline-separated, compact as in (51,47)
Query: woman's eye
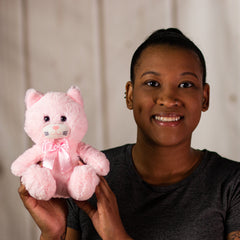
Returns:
(153,84)
(185,85)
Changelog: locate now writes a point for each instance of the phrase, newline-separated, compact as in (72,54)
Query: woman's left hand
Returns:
(106,218)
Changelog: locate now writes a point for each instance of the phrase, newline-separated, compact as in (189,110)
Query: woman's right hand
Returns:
(50,216)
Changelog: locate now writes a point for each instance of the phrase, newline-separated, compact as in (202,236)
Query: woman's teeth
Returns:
(167,119)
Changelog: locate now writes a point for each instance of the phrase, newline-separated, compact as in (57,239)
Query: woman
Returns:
(159,187)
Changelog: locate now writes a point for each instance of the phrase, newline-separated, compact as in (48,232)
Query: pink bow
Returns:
(56,151)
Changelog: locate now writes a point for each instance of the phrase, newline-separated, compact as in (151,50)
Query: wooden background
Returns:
(53,44)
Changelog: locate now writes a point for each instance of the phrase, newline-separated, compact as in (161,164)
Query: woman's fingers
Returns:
(86,207)
(22,191)
(105,218)
(103,188)
(28,201)
(103,194)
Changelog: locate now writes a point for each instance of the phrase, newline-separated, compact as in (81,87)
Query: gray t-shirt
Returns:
(205,205)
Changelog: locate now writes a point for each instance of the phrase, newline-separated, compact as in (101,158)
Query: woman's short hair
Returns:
(172,37)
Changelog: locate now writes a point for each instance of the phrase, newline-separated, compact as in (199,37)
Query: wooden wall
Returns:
(53,44)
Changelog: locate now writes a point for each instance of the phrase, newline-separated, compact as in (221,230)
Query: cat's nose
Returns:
(55,127)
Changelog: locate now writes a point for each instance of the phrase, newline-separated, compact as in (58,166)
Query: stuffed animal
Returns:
(59,165)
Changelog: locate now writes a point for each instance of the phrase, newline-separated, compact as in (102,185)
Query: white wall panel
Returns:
(51,45)
(62,38)
(213,25)
(14,221)
(126,25)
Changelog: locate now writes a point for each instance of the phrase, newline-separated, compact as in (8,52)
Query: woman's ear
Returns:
(206,95)
(129,95)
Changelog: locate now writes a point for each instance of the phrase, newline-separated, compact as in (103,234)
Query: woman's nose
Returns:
(167,98)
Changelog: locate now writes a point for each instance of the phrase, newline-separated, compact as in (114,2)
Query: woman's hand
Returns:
(105,218)
(50,216)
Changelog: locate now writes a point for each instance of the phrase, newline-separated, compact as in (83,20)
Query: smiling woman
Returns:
(167,88)
(160,187)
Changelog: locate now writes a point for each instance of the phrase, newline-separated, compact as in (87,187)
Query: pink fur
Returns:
(57,123)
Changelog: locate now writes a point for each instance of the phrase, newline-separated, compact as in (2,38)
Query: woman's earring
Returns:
(125,95)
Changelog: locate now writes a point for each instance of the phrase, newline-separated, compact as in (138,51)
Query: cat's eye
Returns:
(46,118)
(63,118)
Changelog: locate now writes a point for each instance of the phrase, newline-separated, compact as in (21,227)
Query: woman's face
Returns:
(168,95)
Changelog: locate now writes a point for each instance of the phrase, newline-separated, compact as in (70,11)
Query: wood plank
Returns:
(63,52)
(214,28)
(126,25)
(11,121)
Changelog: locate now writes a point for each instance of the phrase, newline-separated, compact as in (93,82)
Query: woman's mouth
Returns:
(168,119)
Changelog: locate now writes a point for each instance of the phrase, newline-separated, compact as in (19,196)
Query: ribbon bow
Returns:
(56,152)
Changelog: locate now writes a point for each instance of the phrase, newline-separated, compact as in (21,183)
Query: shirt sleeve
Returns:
(73,215)
(233,211)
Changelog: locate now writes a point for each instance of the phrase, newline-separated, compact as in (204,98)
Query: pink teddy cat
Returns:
(59,164)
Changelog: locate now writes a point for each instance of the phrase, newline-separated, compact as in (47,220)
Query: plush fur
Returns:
(59,164)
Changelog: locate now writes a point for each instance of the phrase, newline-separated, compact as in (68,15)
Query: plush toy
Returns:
(59,164)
